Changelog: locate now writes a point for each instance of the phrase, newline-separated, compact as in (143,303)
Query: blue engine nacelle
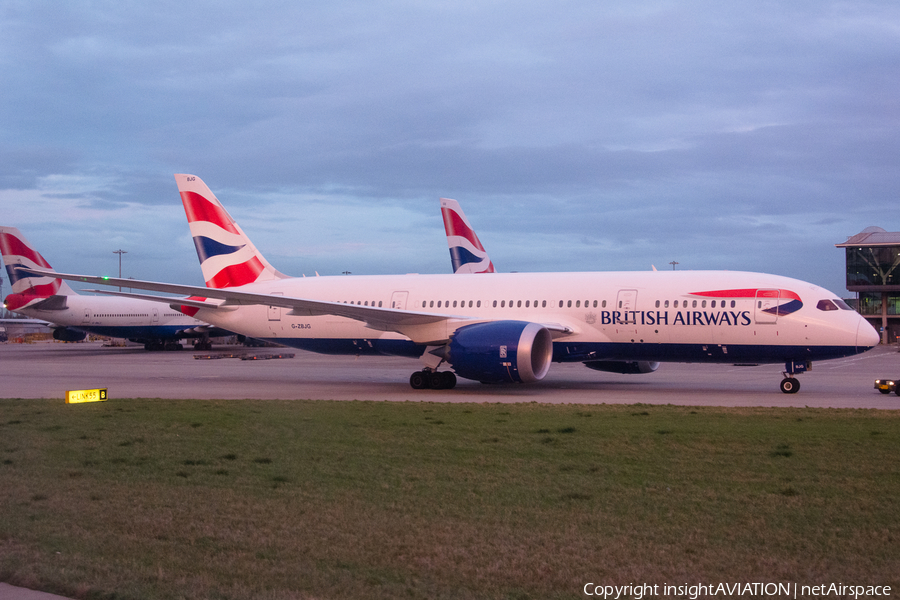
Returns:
(64,334)
(627,367)
(501,352)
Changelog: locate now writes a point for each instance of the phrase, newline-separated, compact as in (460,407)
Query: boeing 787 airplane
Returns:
(508,327)
(73,316)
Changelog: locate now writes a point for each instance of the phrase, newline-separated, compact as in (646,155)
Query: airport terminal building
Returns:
(873,273)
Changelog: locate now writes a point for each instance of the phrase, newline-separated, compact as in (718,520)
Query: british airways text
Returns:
(682,317)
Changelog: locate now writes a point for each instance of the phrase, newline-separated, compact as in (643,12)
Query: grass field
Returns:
(152,498)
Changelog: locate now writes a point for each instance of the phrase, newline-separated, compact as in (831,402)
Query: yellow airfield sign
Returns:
(79,396)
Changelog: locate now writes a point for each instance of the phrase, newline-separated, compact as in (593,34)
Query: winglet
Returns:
(227,256)
(467,255)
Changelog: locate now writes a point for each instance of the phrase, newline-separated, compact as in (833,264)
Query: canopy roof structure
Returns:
(872,236)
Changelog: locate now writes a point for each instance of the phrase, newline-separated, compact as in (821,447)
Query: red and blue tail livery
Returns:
(467,255)
(227,256)
(27,289)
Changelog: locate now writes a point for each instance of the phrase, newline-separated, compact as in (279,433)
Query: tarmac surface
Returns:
(48,370)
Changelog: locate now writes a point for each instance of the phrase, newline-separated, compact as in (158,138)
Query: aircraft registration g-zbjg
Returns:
(73,316)
(510,327)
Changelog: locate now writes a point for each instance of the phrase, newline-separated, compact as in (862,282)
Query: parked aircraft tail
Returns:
(227,256)
(467,255)
(27,289)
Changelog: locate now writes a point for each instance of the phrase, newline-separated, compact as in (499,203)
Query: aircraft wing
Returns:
(421,327)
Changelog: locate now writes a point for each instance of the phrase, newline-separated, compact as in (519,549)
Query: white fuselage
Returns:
(680,316)
(127,318)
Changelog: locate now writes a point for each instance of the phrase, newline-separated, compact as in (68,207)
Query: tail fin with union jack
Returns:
(227,256)
(467,255)
(27,289)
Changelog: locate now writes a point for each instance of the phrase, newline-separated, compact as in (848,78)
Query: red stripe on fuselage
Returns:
(749,293)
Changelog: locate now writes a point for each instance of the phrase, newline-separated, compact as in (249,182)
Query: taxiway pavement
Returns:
(47,370)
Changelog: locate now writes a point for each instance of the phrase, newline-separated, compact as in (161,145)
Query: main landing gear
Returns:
(432,380)
(790,385)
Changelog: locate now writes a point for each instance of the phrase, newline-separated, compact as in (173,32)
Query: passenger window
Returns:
(503,304)
(569,304)
(495,304)
(657,304)
(454,304)
(733,304)
(702,304)
(676,304)
(666,304)
(544,304)
(826,305)
(713,305)
(519,304)
(578,304)
(694,304)
(604,304)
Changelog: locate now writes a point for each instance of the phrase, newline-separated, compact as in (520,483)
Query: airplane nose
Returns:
(866,336)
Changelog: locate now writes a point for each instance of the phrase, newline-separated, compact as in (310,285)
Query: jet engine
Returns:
(64,334)
(501,352)
(627,367)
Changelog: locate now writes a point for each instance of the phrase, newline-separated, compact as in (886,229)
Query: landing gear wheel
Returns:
(790,385)
(449,380)
(418,380)
(435,380)
(445,380)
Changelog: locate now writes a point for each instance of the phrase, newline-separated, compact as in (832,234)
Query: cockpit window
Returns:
(843,305)
(826,305)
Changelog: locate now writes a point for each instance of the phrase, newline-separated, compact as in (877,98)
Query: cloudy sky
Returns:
(577,135)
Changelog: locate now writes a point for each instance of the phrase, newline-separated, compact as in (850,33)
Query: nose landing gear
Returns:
(790,385)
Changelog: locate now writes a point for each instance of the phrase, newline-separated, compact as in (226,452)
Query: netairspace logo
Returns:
(727,590)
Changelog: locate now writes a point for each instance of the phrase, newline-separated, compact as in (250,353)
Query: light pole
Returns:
(673,263)
(120,253)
